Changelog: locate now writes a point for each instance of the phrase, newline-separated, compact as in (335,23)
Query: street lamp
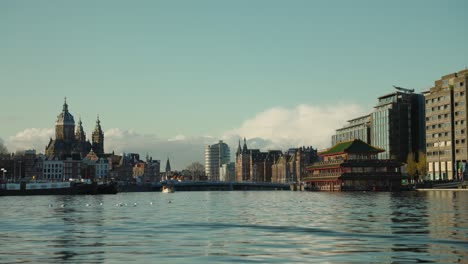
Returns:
(4,171)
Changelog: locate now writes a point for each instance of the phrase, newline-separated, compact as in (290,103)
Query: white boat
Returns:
(168,189)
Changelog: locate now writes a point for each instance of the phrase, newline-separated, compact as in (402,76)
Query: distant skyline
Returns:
(168,77)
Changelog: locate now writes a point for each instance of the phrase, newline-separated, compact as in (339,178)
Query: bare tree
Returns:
(3,148)
(196,169)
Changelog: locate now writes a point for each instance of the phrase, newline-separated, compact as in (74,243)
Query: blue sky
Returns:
(205,68)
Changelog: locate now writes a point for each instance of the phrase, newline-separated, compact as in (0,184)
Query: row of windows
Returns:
(461,141)
(438,108)
(460,122)
(460,132)
(443,125)
(52,170)
(53,176)
(437,135)
(459,113)
(439,144)
(438,99)
(461,103)
(432,118)
(439,153)
(460,93)
(47,165)
(460,151)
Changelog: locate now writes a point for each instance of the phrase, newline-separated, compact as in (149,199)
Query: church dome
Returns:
(65,118)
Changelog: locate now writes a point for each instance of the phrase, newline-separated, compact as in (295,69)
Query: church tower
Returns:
(65,125)
(80,135)
(98,139)
(168,166)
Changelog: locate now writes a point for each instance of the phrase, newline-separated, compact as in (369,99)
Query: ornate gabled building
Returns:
(242,163)
(353,166)
(67,142)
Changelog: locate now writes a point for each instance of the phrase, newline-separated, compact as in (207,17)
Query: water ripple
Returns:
(247,227)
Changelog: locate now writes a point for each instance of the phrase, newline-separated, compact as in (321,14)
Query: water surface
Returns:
(223,227)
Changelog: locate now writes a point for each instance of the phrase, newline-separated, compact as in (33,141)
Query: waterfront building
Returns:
(215,156)
(152,170)
(102,168)
(353,166)
(291,166)
(122,167)
(227,172)
(270,160)
(357,128)
(447,127)
(67,142)
(72,167)
(53,169)
(254,165)
(397,125)
(280,171)
(242,163)
(299,159)
(139,169)
(257,165)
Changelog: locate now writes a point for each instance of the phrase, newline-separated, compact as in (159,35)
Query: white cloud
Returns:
(181,150)
(303,125)
(177,138)
(31,138)
(276,128)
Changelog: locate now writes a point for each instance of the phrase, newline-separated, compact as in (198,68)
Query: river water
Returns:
(236,226)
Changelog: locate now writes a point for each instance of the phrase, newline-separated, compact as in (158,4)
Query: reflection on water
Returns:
(201,227)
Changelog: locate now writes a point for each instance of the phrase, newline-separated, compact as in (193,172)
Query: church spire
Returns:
(168,165)
(98,138)
(239,149)
(245,149)
(80,134)
(65,106)
(98,124)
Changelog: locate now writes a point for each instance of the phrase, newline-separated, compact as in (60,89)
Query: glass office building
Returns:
(397,125)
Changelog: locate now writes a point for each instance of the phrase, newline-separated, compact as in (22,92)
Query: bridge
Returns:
(206,186)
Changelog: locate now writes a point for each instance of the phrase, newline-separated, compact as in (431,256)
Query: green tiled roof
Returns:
(354,146)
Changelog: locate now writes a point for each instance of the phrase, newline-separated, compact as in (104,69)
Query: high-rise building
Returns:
(357,128)
(446,127)
(397,124)
(215,156)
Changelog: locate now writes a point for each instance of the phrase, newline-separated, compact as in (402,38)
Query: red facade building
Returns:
(353,166)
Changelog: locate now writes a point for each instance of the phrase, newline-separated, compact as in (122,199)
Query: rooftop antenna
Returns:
(403,89)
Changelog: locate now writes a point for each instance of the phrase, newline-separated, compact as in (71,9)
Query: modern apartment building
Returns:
(397,124)
(227,172)
(446,127)
(357,128)
(215,156)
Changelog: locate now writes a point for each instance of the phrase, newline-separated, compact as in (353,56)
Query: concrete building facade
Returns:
(215,156)
(357,128)
(446,127)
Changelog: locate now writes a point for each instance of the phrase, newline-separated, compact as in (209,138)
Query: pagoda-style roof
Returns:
(355,146)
